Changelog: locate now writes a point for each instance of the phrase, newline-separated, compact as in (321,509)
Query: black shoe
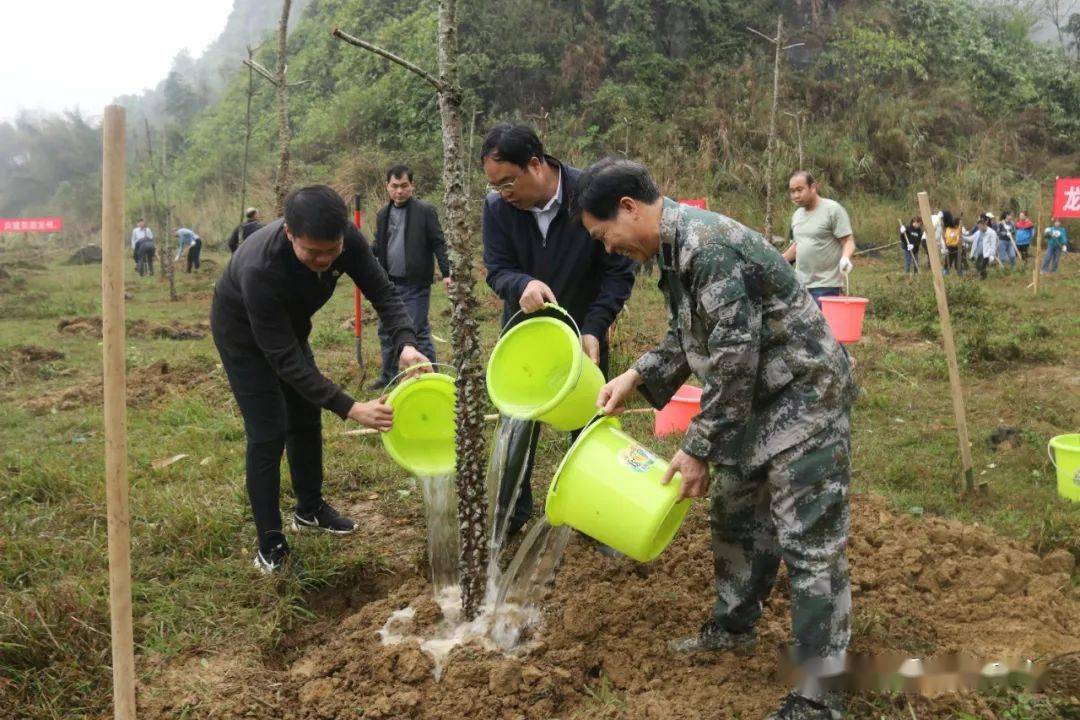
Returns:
(326,519)
(713,637)
(797,707)
(274,559)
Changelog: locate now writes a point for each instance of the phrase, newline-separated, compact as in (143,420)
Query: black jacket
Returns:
(244,231)
(590,284)
(264,300)
(423,239)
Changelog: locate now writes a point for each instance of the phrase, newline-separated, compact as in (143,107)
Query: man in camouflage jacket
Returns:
(774,434)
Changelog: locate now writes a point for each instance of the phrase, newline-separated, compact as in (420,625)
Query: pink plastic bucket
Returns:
(677,414)
(844,314)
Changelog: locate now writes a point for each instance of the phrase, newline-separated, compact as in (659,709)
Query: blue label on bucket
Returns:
(637,458)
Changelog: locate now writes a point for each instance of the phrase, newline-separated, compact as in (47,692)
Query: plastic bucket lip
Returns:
(405,387)
(598,421)
(571,379)
(1070,442)
(687,394)
(844,299)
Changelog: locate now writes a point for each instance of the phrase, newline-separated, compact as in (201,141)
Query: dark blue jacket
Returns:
(590,284)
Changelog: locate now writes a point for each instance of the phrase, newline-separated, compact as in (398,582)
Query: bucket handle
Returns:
(549,306)
(394,380)
(1050,452)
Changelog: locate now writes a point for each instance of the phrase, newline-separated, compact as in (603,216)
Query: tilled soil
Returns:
(921,587)
(173,330)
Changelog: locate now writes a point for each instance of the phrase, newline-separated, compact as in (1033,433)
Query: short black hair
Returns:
(512,143)
(250,213)
(608,181)
(316,212)
(399,170)
(806,174)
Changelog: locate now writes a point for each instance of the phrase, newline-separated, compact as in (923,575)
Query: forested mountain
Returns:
(948,95)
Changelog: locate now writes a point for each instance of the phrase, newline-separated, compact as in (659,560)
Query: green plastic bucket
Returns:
(608,487)
(1065,454)
(422,438)
(538,371)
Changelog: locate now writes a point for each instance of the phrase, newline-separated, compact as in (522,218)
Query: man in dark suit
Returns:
(535,252)
(408,242)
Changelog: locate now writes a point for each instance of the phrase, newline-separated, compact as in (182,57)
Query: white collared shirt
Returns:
(544,215)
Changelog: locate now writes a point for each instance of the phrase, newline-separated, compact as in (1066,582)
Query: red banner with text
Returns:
(1067,198)
(31,225)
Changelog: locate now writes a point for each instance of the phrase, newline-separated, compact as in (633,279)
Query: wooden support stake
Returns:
(955,386)
(1038,242)
(113,257)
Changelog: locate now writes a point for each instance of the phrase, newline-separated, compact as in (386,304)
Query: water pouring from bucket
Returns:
(539,371)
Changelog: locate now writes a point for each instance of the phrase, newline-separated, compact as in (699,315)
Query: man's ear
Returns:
(628,204)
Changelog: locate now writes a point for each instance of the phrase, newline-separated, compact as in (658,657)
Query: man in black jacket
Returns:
(261,319)
(244,230)
(407,237)
(536,252)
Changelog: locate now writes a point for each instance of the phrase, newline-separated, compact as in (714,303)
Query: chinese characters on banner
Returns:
(31,225)
(1067,198)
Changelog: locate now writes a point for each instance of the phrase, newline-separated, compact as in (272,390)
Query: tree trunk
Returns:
(281,186)
(247,138)
(770,150)
(166,258)
(465,333)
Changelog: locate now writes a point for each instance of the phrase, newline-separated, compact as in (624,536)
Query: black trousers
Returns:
(193,255)
(981,264)
(520,458)
(276,419)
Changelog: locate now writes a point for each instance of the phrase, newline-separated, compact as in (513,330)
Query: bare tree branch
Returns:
(434,81)
(261,70)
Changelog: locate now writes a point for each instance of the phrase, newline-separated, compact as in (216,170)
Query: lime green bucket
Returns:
(422,438)
(608,487)
(1065,454)
(538,371)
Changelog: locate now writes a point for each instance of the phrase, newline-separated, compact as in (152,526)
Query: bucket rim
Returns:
(694,396)
(844,299)
(571,378)
(397,392)
(408,387)
(596,422)
(1068,441)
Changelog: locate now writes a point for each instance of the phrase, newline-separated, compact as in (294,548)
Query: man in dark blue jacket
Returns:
(536,252)
(407,238)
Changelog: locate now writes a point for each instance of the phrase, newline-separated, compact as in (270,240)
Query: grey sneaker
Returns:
(326,519)
(797,707)
(712,638)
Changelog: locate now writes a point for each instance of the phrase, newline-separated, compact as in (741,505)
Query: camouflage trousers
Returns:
(794,508)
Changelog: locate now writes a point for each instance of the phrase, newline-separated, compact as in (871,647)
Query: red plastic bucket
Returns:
(844,314)
(677,414)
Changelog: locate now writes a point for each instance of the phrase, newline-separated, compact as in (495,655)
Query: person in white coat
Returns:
(984,242)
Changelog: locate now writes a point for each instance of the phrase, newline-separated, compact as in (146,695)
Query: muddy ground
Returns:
(922,587)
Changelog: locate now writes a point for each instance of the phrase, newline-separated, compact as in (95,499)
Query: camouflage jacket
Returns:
(773,375)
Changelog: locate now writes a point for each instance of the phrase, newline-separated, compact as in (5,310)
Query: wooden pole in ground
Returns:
(955,387)
(116,484)
(1038,242)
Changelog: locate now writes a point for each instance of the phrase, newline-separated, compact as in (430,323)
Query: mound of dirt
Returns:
(144,385)
(30,354)
(173,330)
(921,587)
(89,255)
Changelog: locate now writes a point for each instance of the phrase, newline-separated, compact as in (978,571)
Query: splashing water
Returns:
(511,603)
